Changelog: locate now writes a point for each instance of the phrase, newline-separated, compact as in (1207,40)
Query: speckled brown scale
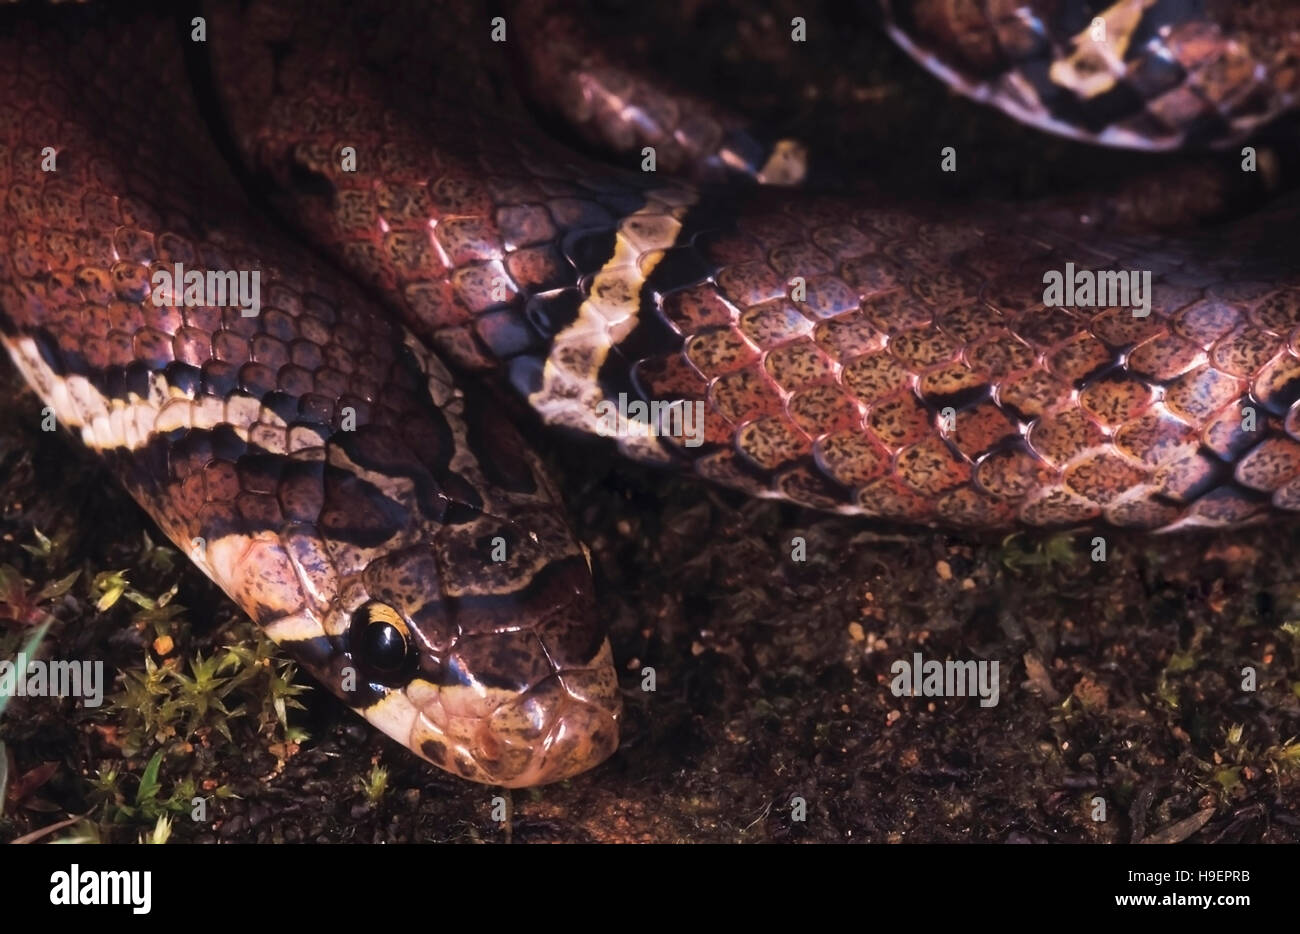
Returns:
(1012,473)
(824,409)
(950,379)
(980,429)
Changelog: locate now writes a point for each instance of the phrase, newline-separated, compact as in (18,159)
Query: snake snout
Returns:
(564,726)
(516,736)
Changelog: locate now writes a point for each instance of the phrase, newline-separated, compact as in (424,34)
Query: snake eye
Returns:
(381,640)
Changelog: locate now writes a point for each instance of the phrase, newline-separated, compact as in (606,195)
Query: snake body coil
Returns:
(916,375)
(878,356)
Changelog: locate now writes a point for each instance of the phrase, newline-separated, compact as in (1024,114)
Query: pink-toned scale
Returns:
(875,355)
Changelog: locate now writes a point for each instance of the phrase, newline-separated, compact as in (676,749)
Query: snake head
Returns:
(444,596)
(497,671)
(465,628)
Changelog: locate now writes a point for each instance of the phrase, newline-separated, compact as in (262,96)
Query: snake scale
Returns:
(864,353)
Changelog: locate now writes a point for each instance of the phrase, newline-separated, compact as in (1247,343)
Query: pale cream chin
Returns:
(400,719)
(492,738)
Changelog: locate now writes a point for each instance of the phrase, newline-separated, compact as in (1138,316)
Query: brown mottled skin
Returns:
(833,398)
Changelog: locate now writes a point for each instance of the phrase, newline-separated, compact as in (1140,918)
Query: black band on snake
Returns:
(868,354)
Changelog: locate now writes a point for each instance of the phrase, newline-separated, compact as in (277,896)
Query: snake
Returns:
(335,455)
